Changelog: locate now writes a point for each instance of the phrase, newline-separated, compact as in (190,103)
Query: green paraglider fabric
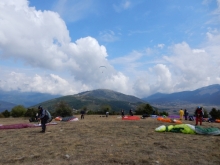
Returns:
(180,128)
(207,131)
(188,129)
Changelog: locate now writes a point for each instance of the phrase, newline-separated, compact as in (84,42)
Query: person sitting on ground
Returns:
(191,118)
(210,120)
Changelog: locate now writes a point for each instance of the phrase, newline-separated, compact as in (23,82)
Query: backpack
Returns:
(191,118)
(49,117)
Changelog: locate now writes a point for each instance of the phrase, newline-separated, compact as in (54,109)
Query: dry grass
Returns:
(98,140)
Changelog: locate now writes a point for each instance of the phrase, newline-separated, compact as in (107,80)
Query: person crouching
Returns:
(42,116)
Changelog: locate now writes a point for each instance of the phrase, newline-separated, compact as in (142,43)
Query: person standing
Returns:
(82,114)
(43,117)
(106,114)
(131,112)
(186,114)
(199,115)
(181,114)
(122,113)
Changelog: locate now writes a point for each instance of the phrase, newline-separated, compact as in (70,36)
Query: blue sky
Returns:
(57,46)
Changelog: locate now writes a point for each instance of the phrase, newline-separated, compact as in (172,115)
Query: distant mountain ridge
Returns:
(6,106)
(9,99)
(209,95)
(109,95)
(95,99)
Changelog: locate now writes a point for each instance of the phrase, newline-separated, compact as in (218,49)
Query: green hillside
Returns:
(93,100)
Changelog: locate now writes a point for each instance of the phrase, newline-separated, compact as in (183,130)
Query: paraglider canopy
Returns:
(102,68)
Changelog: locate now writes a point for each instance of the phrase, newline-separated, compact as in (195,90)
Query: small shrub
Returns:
(18,111)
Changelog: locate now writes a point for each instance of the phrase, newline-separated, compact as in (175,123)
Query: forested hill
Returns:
(95,99)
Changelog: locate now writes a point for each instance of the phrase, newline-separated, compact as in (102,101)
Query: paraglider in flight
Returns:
(102,68)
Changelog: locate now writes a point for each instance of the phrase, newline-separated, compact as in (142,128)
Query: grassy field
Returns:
(106,141)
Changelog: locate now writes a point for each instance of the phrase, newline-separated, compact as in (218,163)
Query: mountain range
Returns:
(209,95)
(93,100)
(9,99)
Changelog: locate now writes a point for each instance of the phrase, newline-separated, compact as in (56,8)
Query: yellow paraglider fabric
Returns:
(180,128)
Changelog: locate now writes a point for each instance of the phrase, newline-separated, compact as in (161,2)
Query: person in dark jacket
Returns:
(131,112)
(43,117)
(122,113)
(186,114)
(82,114)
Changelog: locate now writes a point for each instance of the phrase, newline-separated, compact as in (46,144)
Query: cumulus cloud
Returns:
(41,40)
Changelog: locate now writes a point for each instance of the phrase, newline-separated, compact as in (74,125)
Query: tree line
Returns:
(63,109)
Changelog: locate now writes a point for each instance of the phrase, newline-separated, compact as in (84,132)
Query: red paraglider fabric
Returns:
(19,126)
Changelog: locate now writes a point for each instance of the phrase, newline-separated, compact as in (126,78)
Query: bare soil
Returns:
(106,141)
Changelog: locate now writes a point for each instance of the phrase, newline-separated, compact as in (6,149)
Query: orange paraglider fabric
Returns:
(130,118)
(169,120)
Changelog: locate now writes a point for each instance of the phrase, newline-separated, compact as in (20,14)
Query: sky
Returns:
(136,47)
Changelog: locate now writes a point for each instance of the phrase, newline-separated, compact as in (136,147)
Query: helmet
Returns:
(39,107)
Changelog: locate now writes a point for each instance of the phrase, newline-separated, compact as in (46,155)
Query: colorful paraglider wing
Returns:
(131,118)
(19,126)
(70,118)
(207,131)
(181,128)
(184,128)
(16,126)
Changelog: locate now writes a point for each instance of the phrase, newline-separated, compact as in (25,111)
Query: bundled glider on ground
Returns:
(69,118)
(188,129)
(130,118)
(169,120)
(19,126)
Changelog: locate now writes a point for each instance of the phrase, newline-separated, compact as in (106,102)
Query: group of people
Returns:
(183,113)
(123,113)
(41,115)
(198,114)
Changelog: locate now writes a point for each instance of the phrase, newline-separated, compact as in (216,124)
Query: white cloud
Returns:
(124,5)
(183,68)
(160,46)
(217,11)
(51,83)
(205,2)
(198,51)
(127,60)
(108,36)
(41,40)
